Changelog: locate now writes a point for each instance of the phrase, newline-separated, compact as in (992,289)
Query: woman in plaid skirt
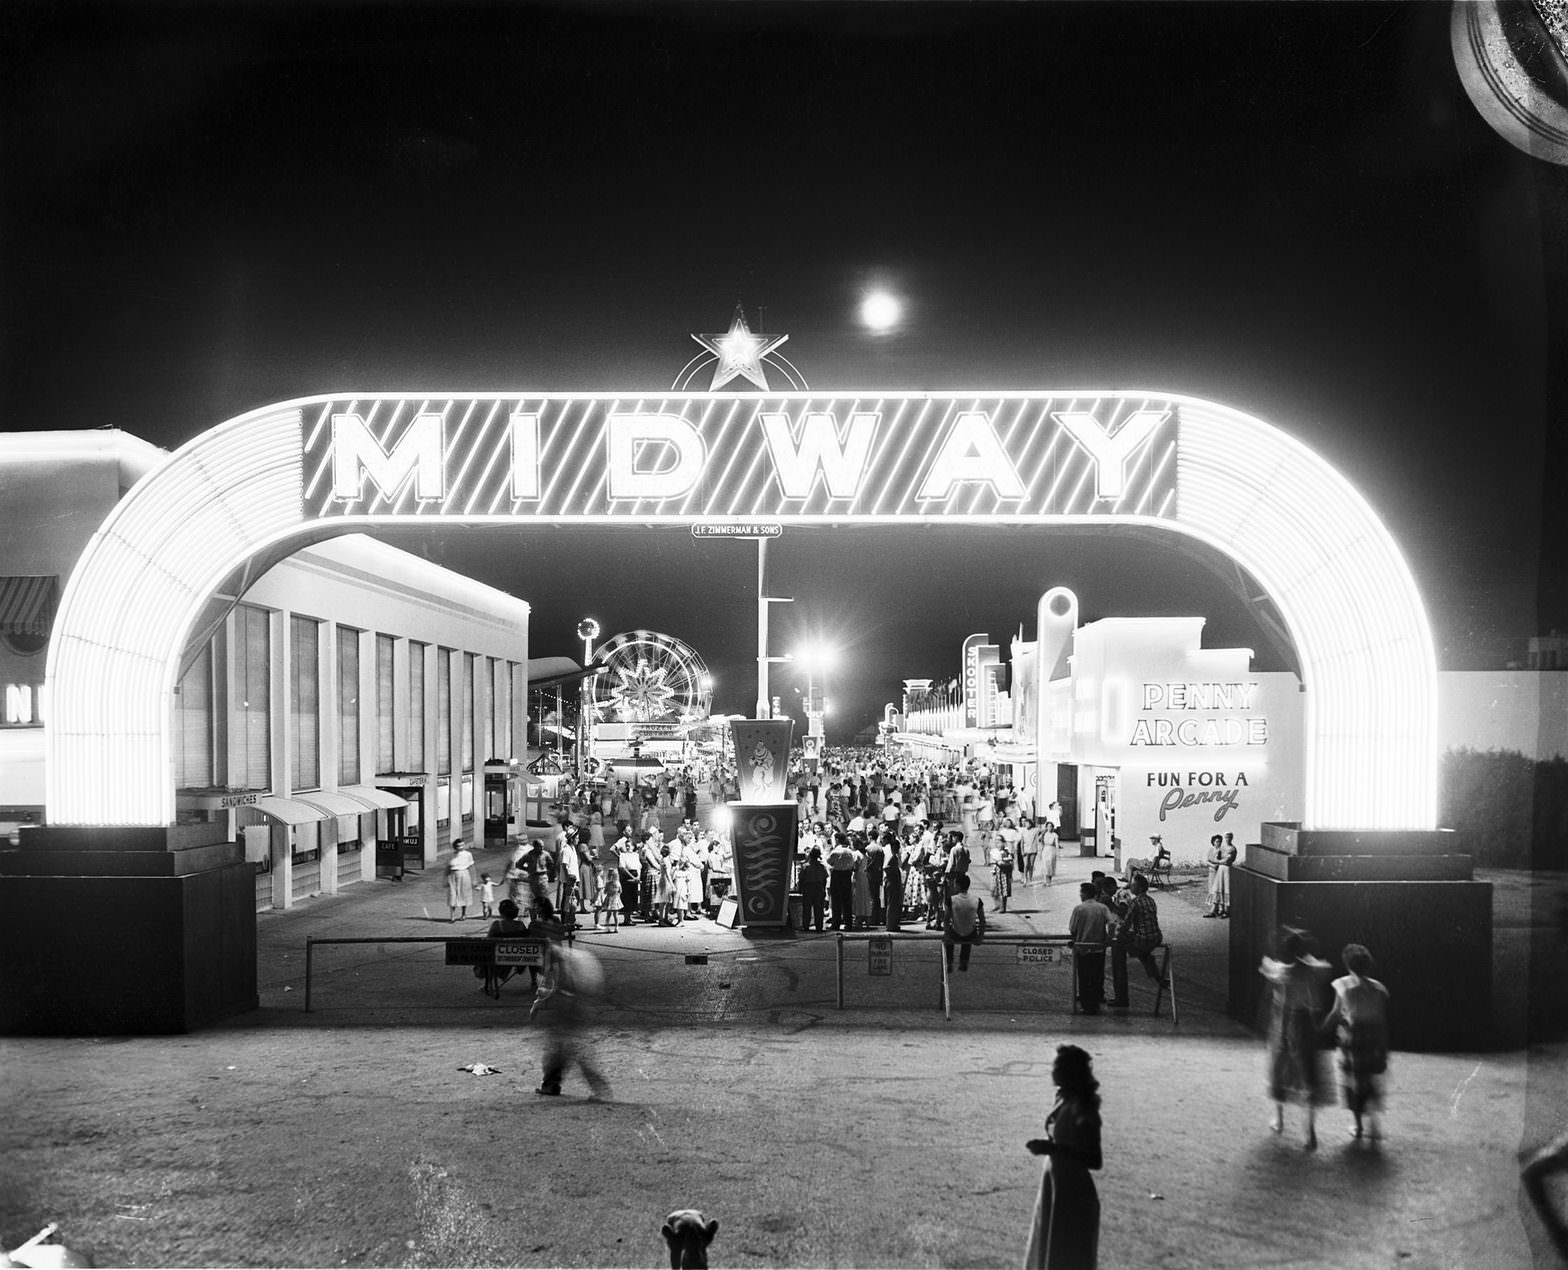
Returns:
(1358,1023)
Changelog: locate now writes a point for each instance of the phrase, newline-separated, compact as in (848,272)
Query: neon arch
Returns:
(267,481)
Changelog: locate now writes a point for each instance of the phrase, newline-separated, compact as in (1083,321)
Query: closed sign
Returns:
(520,953)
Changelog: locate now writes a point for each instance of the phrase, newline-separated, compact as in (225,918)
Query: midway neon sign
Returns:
(305,468)
(699,455)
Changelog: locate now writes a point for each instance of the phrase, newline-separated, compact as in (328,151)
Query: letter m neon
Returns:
(355,454)
(841,462)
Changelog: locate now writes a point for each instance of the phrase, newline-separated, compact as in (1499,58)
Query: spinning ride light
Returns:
(650,678)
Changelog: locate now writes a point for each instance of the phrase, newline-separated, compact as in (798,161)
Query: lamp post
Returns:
(764,703)
(587,631)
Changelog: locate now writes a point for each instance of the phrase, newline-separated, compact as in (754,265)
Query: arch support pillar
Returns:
(116,931)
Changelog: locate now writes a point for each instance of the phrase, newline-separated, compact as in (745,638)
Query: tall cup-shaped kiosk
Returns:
(764,823)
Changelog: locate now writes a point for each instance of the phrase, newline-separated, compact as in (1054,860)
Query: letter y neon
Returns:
(1110,452)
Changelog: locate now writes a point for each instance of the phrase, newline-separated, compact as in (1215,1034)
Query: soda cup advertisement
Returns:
(761,758)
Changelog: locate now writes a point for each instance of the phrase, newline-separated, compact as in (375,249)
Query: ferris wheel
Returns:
(651,678)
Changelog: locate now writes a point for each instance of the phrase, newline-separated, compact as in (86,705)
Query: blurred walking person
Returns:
(1358,1024)
(572,979)
(1294,1065)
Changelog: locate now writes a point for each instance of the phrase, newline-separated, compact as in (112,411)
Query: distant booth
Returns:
(401,847)
(503,798)
(303,471)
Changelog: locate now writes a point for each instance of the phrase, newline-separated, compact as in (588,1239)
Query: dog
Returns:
(688,1235)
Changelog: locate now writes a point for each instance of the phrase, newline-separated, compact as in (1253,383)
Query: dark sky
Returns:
(1289,208)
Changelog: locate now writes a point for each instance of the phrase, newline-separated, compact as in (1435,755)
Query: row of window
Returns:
(224,737)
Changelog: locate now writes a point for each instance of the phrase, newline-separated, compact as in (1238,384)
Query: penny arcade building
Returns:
(1131,726)
(174,555)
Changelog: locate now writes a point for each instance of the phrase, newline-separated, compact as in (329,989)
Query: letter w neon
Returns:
(819,449)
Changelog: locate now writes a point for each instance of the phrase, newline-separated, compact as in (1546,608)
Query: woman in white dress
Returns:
(459,880)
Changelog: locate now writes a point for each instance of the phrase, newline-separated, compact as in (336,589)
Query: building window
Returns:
(305,701)
(348,705)
(501,707)
(488,705)
(252,742)
(416,706)
(443,711)
(468,714)
(194,742)
(386,760)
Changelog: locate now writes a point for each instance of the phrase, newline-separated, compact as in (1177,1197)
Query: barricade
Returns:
(513,952)
(1045,962)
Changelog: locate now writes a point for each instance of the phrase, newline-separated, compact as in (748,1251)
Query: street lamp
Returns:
(813,656)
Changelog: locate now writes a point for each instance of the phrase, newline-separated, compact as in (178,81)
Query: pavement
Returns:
(886,1132)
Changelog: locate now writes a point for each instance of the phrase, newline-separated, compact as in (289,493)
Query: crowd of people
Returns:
(627,876)
(881,844)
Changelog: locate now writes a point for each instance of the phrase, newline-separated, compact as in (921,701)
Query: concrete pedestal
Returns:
(117,931)
(1409,896)
(763,837)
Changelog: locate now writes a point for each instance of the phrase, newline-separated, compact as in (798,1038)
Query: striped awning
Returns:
(27,604)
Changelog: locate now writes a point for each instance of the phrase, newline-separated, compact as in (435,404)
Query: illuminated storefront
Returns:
(1171,738)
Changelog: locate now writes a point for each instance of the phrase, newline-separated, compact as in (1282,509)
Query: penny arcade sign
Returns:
(275,478)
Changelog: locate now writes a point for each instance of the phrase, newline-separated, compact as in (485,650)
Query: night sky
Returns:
(1292,209)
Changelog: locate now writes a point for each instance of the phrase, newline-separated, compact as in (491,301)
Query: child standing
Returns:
(610,898)
(1358,1022)
(486,895)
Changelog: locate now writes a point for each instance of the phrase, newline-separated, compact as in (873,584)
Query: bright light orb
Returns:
(881,311)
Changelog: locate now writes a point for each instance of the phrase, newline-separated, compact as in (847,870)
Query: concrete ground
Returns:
(880,1134)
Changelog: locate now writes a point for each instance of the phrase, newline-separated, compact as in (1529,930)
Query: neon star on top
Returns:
(739,352)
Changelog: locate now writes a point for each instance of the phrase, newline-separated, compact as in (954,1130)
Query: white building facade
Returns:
(352,696)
